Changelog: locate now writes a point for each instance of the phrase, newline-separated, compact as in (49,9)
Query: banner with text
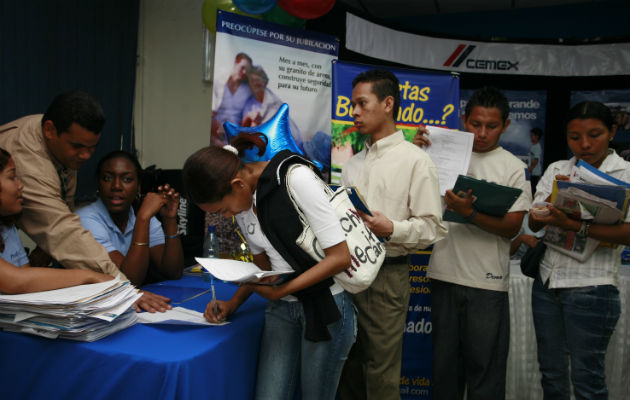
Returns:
(384,43)
(417,373)
(426,98)
(259,65)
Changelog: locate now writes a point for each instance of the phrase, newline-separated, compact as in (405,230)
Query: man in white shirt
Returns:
(400,185)
(469,270)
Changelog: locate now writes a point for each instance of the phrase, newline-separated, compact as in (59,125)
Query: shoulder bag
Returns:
(366,251)
(530,262)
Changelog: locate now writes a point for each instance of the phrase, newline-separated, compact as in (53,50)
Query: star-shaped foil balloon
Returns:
(277,132)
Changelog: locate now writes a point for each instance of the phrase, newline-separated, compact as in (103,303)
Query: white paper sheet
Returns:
(177,316)
(450,151)
(236,271)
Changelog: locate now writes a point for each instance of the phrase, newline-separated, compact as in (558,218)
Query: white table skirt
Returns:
(523,375)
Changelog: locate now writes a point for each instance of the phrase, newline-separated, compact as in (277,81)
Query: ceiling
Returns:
(400,8)
(525,20)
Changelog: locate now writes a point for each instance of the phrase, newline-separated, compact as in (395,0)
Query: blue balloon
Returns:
(255,6)
(277,132)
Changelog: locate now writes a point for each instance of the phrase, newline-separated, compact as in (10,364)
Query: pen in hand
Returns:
(215,307)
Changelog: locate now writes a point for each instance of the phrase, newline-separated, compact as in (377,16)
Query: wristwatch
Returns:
(584,229)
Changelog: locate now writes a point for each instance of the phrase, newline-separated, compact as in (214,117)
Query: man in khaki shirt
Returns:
(47,151)
(401,187)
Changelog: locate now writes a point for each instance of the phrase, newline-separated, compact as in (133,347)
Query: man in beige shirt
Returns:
(47,151)
(401,187)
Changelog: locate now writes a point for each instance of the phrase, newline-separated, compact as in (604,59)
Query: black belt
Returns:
(396,260)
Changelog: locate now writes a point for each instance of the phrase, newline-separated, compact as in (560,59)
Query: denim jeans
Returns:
(287,358)
(573,327)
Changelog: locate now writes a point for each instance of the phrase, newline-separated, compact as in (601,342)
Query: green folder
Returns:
(488,198)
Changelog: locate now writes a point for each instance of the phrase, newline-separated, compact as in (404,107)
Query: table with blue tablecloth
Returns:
(143,361)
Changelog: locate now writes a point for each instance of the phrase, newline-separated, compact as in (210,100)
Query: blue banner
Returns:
(426,98)
(416,374)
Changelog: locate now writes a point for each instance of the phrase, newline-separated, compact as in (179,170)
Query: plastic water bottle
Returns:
(211,243)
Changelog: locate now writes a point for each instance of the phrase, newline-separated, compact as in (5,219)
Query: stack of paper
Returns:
(450,151)
(85,312)
(590,195)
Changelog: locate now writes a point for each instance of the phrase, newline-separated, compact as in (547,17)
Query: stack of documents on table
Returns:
(590,195)
(85,312)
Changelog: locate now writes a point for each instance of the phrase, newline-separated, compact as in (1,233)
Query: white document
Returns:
(69,295)
(238,271)
(176,316)
(450,151)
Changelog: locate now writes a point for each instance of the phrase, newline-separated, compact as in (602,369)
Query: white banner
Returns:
(483,57)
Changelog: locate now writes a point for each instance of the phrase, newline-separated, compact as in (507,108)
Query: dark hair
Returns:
(78,107)
(384,83)
(489,97)
(119,154)
(592,109)
(537,131)
(240,56)
(207,173)
(5,220)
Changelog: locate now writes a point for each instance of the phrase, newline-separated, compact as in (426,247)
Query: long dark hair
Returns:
(5,220)
(207,172)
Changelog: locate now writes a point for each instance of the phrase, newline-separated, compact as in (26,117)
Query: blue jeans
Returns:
(287,358)
(574,324)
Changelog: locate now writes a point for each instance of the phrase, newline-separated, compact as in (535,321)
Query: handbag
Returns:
(530,262)
(366,251)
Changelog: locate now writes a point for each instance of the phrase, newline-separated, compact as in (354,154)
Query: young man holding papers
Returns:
(469,270)
(406,210)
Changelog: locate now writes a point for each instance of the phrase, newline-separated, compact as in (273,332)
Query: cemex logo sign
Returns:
(462,52)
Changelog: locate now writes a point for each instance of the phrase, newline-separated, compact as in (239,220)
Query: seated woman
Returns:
(14,279)
(143,248)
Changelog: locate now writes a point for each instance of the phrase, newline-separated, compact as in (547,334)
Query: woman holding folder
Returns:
(576,303)
(310,320)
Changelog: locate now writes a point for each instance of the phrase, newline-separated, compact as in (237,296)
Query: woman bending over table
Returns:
(310,320)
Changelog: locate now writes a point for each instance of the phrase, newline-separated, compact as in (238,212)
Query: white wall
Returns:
(172,103)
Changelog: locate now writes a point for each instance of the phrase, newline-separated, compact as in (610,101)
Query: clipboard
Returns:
(488,198)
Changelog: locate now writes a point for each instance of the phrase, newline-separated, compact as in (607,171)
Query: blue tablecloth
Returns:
(143,361)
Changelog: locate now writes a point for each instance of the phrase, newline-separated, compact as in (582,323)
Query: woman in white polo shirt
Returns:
(576,304)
